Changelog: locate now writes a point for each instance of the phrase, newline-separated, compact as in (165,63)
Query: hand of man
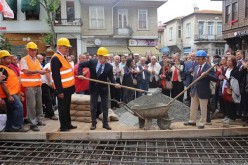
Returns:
(117,85)
(10,99)
(203,74)
(81,77)
(61,95)
(41,71)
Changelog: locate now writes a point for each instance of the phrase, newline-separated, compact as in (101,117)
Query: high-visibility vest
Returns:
(13,83)
(66,72)
(31,80)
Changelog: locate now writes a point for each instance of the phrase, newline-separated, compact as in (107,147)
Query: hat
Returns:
(4,53)
(136,54)
(201,53)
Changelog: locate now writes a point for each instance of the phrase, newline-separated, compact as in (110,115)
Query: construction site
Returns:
(126,143)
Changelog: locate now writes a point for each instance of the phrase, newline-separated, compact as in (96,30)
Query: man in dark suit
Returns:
(189,67)
(103,71)
(200,91)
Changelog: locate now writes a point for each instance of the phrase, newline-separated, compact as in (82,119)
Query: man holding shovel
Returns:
(200,91)
(100,70)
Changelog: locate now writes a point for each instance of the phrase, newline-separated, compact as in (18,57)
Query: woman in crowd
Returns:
(176,78)
(127,80)
(165,77)
(154,68)
(244,88)
(229,107)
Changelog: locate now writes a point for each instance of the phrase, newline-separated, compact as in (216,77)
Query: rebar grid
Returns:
(215,150)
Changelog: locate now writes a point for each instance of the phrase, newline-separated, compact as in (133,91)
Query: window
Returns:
(179,32)
(142,17)
(228,13)
(32,15)
(219,28)
(201,27)
(170,33)
(122,18)
(188,30)
(96,14)
(235,11)
(210,28)
(70,11)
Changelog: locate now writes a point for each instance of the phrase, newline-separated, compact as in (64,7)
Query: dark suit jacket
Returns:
(187,66)
(106,75)
(140,76)
(202,87)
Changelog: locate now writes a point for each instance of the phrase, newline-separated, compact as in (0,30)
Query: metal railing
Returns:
(68,22)
(208,38)
(127,31)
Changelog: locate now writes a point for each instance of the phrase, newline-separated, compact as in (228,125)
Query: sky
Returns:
(176,8)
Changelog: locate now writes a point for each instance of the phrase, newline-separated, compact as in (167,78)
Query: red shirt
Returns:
(15,68)
(81,85)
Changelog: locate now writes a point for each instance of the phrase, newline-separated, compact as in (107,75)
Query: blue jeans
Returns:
(14,113)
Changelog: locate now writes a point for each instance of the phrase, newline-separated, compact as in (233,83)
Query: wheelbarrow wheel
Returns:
(164,123)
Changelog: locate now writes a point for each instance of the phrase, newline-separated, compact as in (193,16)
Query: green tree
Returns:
(51,7)
(4,43)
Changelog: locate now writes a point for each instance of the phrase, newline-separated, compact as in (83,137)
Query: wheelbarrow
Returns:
(146,113)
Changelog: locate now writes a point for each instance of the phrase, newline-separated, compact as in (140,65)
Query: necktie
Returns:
(98,73)
(199,72)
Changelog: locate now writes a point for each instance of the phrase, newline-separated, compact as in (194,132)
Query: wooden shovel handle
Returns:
(108,83)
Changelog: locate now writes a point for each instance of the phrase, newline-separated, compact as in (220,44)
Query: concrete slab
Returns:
(122,131)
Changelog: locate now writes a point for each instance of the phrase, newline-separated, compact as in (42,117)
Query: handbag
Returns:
(227,94)
(134,81)
(168,85)
(165,84)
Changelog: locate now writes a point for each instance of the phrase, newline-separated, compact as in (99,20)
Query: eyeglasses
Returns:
(33,50)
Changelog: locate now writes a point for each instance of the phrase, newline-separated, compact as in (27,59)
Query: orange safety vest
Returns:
(66,72)
(31,80)
(13,84)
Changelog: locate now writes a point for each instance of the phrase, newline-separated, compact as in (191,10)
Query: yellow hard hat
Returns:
(4,53)
(63,42)
(102,51)
(31,45)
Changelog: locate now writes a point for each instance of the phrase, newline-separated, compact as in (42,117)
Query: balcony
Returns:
(68,22)
(208,38)
(123,32)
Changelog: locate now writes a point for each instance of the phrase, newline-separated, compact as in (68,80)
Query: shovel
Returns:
(108,83)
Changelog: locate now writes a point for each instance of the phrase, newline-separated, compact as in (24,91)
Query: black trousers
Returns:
(64,111)
(176,89)
(115,94)
(104,105)
(47,101)
(231,110)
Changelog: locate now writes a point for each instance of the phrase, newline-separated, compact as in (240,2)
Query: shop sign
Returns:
(143,42)
(187,50)
(241,33)
(3,28)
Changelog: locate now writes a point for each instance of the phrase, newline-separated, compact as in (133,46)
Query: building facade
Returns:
(200,30)
(30,24)
(123,26)
(235,24)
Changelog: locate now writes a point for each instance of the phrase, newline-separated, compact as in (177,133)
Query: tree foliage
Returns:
(51,7)
(4,43)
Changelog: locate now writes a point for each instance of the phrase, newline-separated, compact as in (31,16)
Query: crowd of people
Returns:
(30,87)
